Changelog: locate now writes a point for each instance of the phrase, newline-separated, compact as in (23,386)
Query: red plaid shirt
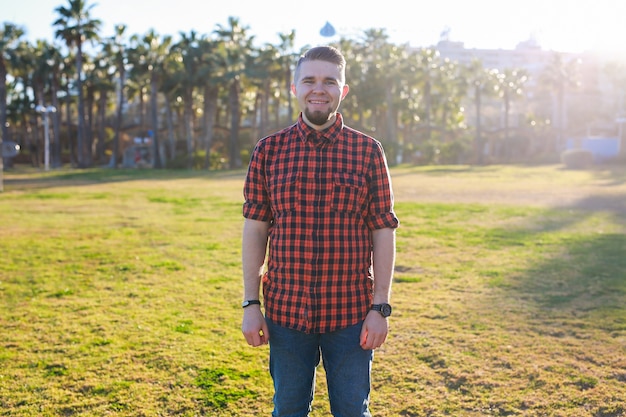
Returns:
(323,193)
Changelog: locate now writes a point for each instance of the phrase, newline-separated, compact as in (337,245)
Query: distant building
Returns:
(527,55)
(596,99)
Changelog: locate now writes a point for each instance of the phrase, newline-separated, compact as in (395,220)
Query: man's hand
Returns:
(374,331)
(254,327)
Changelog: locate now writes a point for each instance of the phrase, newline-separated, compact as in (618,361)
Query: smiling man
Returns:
(320,193)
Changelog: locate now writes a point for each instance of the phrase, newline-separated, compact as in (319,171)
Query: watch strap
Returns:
(248,303)
(384,309)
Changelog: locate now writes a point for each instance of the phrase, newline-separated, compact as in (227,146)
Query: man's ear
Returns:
(344,91)
(293,89)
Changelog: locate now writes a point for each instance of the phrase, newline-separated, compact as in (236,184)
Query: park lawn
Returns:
(120,295)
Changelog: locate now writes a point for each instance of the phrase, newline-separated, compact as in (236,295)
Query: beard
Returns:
(318,118)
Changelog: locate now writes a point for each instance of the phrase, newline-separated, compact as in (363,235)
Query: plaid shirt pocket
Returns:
(348,192)
(284,192)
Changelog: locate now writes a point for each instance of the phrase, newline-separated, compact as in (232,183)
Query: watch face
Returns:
(386,310)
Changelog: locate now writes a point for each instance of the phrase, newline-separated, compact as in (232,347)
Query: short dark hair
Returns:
(323,53)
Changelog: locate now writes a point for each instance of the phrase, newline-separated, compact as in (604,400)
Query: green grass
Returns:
(120,295)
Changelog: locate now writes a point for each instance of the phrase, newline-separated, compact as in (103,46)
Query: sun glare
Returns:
(583,26)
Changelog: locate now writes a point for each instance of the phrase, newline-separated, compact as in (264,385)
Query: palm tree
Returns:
(90,82)
(100,81)
(509,86)
(189,53)
(452,90)
(210,77)
(10,35)
(266,76)
(380,85)
(286,61)
(26,74)
(355,108)
(46,61)
(67,80)
(616,73)
(422,74)
(238,47)
(482,82)
(54,62)
(149,55)
(115,49)
(75,27)
(559,76)
(171,90)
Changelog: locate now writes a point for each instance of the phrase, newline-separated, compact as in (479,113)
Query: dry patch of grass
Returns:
(120,292)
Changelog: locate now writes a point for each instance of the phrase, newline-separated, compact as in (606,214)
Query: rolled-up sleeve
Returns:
(381,213)
(256,204)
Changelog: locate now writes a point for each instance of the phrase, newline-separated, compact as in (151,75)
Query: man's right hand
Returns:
(254,327)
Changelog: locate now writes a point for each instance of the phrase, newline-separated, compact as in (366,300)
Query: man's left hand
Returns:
(374,331)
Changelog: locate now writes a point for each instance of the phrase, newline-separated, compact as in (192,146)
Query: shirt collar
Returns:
(330,134)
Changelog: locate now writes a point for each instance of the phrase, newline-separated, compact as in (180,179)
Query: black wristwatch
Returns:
(250,302)
(384,309)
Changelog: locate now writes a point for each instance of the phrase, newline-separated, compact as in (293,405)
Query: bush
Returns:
(577,158)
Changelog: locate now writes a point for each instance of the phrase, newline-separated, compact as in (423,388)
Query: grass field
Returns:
(120,295)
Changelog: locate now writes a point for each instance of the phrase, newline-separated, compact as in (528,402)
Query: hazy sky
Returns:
(561,25)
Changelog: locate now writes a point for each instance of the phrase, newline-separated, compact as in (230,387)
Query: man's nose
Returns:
(318,86)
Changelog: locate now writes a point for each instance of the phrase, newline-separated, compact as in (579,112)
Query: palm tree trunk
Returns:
(70,134)
(89,124)
(254,130)
(81,108)
(156,155)
(142,109)
(118,120)
(390,117)
(289,99)
(170,128)
(210,109)
(479,139)
(4,131)
(189,126)
(265,109)
(507,139)
(56,124)
(32,138)
(101,125)
(428,110)
(233,98)
(562,119)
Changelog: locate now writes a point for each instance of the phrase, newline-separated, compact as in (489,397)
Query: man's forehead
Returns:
(319,68)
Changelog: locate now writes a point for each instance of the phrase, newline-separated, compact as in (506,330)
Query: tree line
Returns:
(205,99)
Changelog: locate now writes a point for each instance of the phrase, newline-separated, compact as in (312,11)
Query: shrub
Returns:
(577,158)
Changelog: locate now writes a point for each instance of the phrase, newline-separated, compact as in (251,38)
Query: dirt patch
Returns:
(539,188)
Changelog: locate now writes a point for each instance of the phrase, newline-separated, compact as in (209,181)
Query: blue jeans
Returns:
(294,357)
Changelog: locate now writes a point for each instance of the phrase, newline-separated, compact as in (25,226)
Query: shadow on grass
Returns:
(613,173)
(534,336)
(588,269)
(615,203)
(589,274)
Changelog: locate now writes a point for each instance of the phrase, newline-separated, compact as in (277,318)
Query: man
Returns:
(321,194)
